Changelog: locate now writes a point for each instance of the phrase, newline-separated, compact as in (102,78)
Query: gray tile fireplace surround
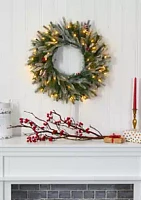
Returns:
(72,192)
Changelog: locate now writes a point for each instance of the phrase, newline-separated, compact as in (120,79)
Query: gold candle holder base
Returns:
(134,121)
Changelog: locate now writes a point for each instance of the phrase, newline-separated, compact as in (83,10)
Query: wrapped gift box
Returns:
(118,139)
(132,136)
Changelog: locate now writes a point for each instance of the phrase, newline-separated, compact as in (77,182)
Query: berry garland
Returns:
(74,87)
(55,127)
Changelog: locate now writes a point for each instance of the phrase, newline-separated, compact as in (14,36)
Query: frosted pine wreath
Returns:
(74,87)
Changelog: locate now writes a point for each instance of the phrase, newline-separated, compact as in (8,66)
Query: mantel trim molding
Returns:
(68,162)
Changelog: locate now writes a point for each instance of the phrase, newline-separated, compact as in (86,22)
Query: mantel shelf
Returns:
(65,161)
(21,142)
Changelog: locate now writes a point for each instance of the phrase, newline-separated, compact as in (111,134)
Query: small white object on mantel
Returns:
(132,136)
(5,120)
(68,162)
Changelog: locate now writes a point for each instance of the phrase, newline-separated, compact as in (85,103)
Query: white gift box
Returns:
(132,136)
(5,120)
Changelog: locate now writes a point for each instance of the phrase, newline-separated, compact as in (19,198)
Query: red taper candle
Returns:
(135,94)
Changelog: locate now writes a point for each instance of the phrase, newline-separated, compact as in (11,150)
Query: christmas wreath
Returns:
(77,86)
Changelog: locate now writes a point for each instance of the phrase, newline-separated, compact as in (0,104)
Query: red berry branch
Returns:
(55,127)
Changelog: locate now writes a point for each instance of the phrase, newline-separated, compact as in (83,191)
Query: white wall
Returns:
(119,21)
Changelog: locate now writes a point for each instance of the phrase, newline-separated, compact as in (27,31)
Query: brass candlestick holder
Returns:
(133,135)
(134,121)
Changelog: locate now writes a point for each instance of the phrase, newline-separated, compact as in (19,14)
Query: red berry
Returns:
(80,124)
(34,128)
(43,138)
(47,114)
(50,139)
(87,48)
(87,130)
(31,123)
(43,59)
(54,131)
(50,113)
(26,120)
(57,122)
(69,123)
(21,120)
(42,127)
(28,139)
(61,132)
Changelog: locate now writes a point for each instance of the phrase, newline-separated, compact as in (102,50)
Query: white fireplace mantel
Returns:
(68,162)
